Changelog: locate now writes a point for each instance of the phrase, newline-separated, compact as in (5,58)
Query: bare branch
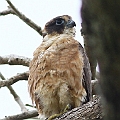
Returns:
(8,11)
(12,80)
(30,105)
(25,19)
(15,60)
(16,97)
(22,116)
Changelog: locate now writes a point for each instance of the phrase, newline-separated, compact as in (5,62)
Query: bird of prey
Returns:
(59,73)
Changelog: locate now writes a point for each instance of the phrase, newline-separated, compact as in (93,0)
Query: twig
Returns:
(22,116)
(25,19)
(12,80)
(8,11)
(16,97)
(15,60)
(30,105)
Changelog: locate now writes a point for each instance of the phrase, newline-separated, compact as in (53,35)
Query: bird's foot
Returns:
(67,108)
(54,116)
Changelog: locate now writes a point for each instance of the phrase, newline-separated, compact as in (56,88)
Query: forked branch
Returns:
(13,10)
(15,95)
(14,79)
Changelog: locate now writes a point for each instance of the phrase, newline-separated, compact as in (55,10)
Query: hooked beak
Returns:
(70,24)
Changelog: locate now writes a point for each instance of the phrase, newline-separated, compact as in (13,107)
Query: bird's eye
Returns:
(59,22)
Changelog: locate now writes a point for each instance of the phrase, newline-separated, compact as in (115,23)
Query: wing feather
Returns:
(86,74)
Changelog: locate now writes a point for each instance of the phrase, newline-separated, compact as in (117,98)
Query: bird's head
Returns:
(59,25)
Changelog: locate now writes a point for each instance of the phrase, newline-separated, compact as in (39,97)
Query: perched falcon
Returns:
(59,72)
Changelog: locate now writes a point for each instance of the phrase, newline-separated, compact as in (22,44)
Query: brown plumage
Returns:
(59,72)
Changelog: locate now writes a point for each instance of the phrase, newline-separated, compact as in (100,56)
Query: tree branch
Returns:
(25,19)
(12,80)
(22,116)
(8,11)
(88,111)
(15,60)
(16,97)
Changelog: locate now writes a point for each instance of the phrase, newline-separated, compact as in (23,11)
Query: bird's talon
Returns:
(67,108)
(53,116)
